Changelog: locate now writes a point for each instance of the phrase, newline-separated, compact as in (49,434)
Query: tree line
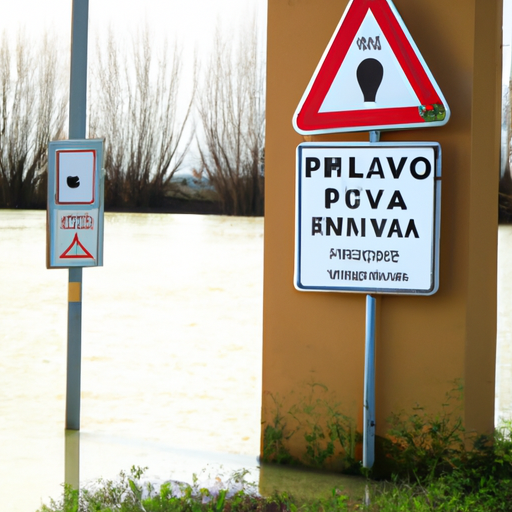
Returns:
(152,115)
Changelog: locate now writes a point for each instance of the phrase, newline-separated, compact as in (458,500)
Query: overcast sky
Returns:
(192,22)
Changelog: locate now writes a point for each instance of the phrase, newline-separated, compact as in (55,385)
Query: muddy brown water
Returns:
(171,356)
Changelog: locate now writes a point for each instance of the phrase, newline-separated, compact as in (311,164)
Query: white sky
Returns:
(191,20)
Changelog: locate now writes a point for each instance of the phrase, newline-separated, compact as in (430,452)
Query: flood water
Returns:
(171,353)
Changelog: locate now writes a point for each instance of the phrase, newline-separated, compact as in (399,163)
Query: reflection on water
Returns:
(171,355)
(72,458)
(171,351)
(302,483)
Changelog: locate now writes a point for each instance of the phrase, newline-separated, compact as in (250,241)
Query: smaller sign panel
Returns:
(75,204)
(368,217)
(76,235)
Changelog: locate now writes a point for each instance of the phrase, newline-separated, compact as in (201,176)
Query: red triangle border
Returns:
(309,119)
(87,254)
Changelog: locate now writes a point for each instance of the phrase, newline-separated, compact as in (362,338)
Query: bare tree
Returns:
(32,112)
(134,105)
(231,107)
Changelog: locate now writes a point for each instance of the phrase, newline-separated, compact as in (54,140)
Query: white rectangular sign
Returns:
(368,217)
(76,170)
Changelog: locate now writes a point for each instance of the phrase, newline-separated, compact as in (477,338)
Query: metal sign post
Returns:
(74,355)
(78,79)
(369,372)
(369,385)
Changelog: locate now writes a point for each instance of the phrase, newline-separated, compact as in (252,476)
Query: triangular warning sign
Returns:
(76,250)
(371,77)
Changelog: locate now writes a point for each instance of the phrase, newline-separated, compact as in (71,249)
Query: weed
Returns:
(343,429)
(420,449)
(421,446)
(439,466)
(330,436)
(275,436)
(446,493)
(128,494)
(442,494)
(309,414)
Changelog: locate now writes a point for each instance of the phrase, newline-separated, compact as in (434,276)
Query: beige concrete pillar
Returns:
(424,343)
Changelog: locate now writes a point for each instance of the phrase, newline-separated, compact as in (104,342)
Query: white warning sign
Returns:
(371,76)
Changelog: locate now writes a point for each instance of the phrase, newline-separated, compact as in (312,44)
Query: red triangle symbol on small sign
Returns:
(371,77)
(79,250)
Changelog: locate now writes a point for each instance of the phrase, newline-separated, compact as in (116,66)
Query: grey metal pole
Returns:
(369,372)
(78,81)
(74,358)
(369,386)
(77,129)
(374,136)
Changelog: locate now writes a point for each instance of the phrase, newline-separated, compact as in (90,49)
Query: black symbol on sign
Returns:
(73,181)
(369,75)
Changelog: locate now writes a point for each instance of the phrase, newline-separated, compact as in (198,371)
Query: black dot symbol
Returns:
(73,181)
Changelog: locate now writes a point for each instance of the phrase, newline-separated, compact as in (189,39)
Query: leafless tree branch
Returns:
(231,107)
(32,112)
(135,106)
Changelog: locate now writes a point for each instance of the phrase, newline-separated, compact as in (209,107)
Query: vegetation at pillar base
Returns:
(329,435)
(426,462)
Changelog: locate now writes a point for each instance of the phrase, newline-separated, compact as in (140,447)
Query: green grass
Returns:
(432,464)
(483,488)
